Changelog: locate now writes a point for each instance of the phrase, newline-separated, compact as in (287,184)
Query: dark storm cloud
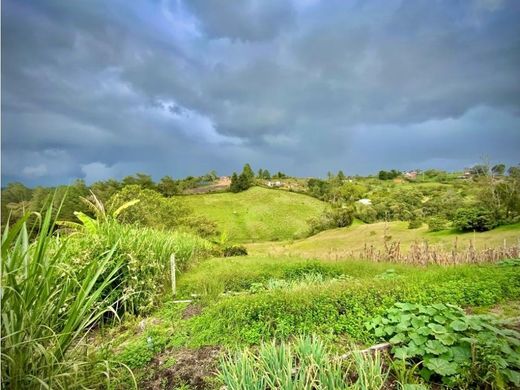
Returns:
(101,89)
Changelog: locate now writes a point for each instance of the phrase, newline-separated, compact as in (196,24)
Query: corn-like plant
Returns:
(47,311)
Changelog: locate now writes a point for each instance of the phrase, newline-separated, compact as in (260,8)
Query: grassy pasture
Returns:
(257,214)
(338,242)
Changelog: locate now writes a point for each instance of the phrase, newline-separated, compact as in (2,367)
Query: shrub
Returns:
(436,224)
(235,250)
(474,219)
(446,343)
(330,219)
(145,257)
(415,223)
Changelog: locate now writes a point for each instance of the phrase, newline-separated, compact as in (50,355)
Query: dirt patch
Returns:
(191,311)
(192,367)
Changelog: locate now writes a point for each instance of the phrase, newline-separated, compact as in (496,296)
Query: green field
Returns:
(340,242)
(257,214)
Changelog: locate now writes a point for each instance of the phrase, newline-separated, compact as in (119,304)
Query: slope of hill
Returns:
(339,242)
(258,214)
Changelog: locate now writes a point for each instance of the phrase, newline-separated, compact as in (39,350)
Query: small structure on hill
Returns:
(365,202)
(274,184)
(411,175)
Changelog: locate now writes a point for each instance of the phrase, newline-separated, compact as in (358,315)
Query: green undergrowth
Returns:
(145,257)
(342,306)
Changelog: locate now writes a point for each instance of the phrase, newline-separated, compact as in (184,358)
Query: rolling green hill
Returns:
(353,238)
(258,214)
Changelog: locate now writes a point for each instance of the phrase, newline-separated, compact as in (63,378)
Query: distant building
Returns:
(274,184)
(412,175)
(365,201)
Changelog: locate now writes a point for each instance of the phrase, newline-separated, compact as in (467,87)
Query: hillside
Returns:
(338,242)
(257,214)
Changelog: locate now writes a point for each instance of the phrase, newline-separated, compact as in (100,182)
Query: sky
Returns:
(105,89)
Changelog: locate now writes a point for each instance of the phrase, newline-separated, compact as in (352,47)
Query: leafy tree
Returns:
(140,179)
(267,175)
(341,176)
(15,200)
(318,188)
(105,189)
(235,186)
(153,209)
(474,219)
(167,186)
(479,170)
(260,174)
(248,174)
(498,169)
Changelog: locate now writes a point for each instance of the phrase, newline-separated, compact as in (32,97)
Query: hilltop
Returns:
(257,214)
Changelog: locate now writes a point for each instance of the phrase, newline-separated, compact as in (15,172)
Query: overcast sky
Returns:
(100,89)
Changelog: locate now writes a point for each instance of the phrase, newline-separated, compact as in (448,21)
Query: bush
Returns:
(415,224)
(235,250)
(330,219)
(474,219)
(436,224)
(449,345)
(145,257)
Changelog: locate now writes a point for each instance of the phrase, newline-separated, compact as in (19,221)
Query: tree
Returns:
(15,200)
(341,176)
(498,169)
(267,175)
(479,170)
(140,179)
(105,189)
(153,209)
(260,174)
(474,219)
(235,185)
(167,186)
(248,174)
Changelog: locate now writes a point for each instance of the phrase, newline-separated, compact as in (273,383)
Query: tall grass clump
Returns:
(47,310)
(144,255)
(303,364)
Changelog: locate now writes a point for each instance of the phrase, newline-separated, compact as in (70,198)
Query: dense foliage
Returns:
(458,349)
(47,310)
(338,305)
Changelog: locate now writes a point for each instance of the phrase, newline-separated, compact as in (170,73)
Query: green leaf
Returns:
(446,338)
(441,366)
(461,354)
(435,347)
(417,322)
(400,353)
(424,330)
(417,338)
(437,328)
(389,330)
(397,339)
(440,319)
(513,376)
(458,325)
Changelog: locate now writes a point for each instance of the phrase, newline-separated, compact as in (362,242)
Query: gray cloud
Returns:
(178,87)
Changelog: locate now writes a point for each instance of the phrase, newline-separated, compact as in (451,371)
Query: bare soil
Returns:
(192,367)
